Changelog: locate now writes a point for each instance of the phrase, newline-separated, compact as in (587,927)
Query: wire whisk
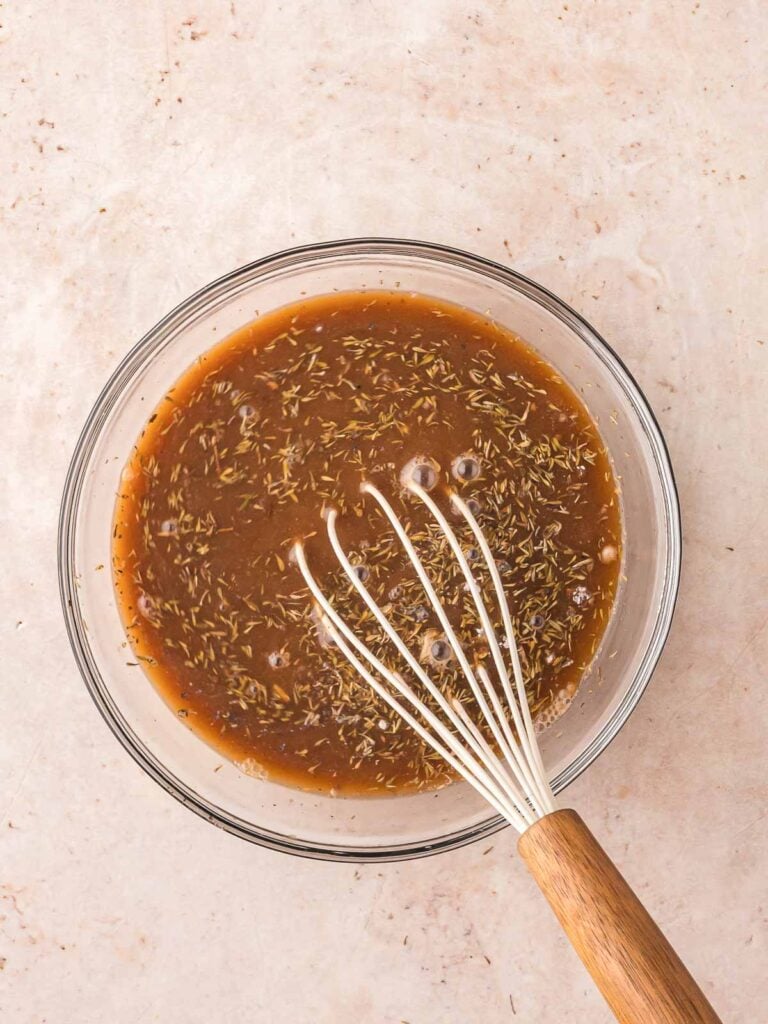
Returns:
(513,781)
(636,969)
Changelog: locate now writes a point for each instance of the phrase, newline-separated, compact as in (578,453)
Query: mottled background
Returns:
(613,151)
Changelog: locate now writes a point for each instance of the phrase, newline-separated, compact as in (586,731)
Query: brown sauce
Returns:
(293,412)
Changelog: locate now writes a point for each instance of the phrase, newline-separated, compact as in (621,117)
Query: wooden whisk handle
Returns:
(639,974)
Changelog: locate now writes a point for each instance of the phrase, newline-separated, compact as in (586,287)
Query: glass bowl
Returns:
(384,828)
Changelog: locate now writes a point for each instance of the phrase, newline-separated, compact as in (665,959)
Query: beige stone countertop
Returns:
(616,153)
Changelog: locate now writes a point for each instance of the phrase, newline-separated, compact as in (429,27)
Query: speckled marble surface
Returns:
(611,151)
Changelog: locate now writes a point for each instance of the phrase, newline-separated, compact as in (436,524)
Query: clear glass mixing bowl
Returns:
(373,828)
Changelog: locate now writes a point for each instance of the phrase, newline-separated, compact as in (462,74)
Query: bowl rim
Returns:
(191,306)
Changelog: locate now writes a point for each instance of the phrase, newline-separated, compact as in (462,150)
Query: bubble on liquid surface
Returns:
(440,650)
(246,411)
(466,467)
(279,659)
(581,597)
(608,553)
(472,554)
(536,621)
(420,613)
(250,766)
(474,506)
(560,703)
(168,528)
(362,572)
(422,471)
(147,607)
(435,649)
(394,593)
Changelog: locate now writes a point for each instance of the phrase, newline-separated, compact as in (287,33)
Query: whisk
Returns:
(632,963)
